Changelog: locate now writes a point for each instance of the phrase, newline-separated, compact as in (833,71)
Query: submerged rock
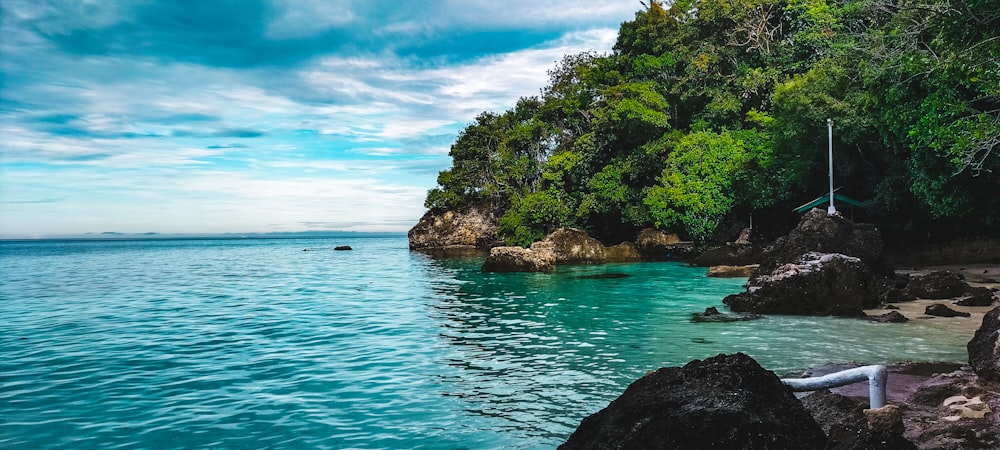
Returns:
(727,401)
(343,247)
(984,348)
(816,284)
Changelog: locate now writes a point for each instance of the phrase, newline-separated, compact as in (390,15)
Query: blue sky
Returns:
(212,116)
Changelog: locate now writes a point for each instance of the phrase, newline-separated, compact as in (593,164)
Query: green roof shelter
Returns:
(826,199)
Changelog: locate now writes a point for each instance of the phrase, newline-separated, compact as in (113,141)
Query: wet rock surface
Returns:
(725,402)
(815,284)
(984,348)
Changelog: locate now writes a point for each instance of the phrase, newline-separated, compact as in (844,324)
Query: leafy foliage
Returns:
(710,109)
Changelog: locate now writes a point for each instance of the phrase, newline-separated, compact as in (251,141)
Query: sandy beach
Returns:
(977,275)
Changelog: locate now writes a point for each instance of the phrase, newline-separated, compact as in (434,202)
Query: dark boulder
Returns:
(819,232)
(816,284)
(984,348)
(940,310)
(723,402)
(343,248)
(977,297)
(938,285)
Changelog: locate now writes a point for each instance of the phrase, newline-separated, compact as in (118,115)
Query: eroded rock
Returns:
(518,259)
(938,285)
(470,229)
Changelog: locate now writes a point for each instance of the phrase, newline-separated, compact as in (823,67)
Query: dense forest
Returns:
(708,111)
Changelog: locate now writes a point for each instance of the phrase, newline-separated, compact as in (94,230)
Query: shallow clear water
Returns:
(256,343)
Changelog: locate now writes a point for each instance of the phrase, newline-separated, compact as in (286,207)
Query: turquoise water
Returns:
(256,343)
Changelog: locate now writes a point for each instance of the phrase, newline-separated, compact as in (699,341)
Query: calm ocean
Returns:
(256,343)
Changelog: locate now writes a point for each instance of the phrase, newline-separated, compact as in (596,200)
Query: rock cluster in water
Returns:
(568,246)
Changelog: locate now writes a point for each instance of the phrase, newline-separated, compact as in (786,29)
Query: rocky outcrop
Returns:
(829,284)
(563,246)
(657,245)
(819,232)
(984,348)
(731,271)
(518,259)
(728,401)
(457,231)
(725,255)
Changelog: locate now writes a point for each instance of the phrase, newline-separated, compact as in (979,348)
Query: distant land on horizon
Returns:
(114,235)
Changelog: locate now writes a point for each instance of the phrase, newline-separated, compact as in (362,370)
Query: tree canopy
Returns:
(708,110)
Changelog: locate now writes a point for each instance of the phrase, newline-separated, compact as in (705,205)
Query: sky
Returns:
(238,116)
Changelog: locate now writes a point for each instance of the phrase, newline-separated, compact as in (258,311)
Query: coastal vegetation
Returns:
(707,111)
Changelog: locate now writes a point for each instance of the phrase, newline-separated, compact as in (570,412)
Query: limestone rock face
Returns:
(727,401)
(731,271)
(469,229)
(518,259)
(819,232)
(574,246)
(984,348)
(563,246)
(657,245)
(816,284)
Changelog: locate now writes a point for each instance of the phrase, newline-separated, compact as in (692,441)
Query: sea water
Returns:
(287,343)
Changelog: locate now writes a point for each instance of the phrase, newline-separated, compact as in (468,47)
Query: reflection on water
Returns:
(255,343)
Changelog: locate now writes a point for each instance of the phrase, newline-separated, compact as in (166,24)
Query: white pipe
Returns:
(832,209)
(876,376)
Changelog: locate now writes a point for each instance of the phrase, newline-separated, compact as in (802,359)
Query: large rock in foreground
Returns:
(727,402)
(816,284)
(471,229)
(819,232)
(984,348)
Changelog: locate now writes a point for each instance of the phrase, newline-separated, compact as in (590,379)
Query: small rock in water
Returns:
(343,247)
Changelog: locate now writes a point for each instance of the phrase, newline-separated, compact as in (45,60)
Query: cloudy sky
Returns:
(208,116)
